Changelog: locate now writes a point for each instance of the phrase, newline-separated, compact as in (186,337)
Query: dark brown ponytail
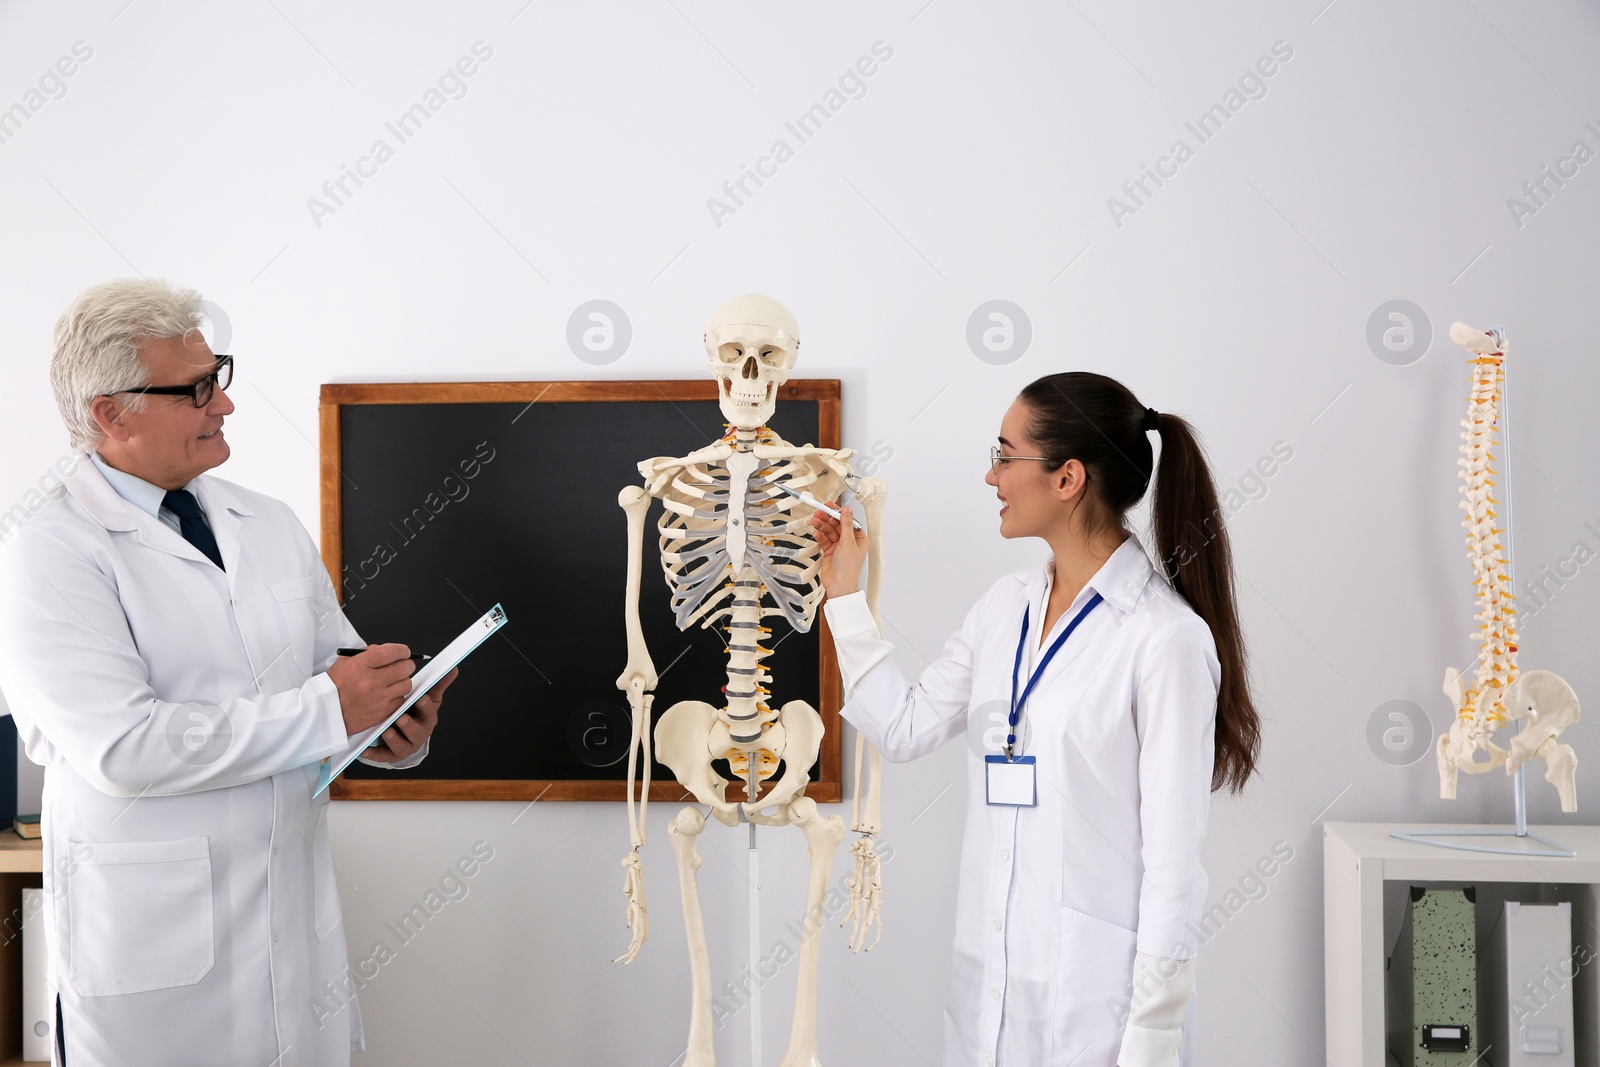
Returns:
(1097,421)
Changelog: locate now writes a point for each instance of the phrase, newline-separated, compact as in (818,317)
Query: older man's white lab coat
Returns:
(181,712)
(1054,902)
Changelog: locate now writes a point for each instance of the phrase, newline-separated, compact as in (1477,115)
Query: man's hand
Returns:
(372,685)
(411,730)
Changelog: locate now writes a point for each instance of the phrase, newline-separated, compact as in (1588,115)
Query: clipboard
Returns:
(422,681)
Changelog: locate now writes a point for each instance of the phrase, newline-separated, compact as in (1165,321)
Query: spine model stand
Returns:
(1543,702)
(736,547)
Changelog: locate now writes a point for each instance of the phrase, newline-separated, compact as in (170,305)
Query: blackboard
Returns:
(441,499)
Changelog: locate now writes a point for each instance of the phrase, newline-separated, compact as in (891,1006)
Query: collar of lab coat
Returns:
(130,487)
(1121,579)
(222,506)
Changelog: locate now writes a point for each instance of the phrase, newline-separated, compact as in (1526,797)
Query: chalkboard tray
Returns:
(440,499)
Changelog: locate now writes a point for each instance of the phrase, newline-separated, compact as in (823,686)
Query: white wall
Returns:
(977,166)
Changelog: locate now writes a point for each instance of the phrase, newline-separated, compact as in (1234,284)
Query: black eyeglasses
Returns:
(199,392)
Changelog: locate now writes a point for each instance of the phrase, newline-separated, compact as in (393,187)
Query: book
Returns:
(26,826)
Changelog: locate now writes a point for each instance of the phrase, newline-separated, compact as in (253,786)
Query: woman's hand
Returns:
(842,556)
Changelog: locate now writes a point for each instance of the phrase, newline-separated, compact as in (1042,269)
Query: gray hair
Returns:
(97,342)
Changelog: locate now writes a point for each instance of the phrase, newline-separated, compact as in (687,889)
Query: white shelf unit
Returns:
(1365,873)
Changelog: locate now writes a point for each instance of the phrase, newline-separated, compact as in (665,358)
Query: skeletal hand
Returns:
(638,914)
(842,557)
(866,895)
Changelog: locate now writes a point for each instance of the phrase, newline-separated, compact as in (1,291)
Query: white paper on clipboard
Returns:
(422,681)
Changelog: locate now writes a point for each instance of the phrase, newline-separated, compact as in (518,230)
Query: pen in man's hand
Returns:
(418,658)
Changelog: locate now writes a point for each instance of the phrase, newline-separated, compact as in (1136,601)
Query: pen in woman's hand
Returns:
(418,658)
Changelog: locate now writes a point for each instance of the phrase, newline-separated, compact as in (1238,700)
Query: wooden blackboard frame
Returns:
(336,396)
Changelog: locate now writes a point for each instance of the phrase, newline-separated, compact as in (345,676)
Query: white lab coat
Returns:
(181,713)
(1054,901)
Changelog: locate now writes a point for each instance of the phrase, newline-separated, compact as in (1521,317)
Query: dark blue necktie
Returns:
(192,524)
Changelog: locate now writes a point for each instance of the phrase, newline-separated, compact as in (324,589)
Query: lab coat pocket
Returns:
(299,620)
(140,917)
(1094,968)
(326,913)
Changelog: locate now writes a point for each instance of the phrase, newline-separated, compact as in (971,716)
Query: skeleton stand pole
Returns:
(755,949)
(1520,785)
(753,856)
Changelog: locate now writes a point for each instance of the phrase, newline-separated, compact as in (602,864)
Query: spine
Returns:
(1496,635)
(746,711)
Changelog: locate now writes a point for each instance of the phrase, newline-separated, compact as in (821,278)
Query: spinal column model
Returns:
(733,543)
(1546,704)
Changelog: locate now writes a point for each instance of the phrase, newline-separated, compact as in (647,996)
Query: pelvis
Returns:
(691,735)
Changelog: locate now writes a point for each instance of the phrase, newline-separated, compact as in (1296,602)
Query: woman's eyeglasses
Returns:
(995,458)
(200,392)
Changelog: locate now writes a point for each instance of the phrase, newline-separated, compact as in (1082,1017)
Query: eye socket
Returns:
(737,351)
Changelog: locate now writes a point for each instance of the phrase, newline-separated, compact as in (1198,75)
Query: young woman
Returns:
(1123,695)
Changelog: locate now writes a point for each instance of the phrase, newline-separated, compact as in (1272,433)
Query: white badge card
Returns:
(1013,783)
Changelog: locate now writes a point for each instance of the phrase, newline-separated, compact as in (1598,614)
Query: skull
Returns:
(752,342)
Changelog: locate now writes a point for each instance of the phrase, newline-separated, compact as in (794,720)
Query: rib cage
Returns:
(778,575)
(779,549)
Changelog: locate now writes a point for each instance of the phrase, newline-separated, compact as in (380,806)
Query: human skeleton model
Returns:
(732,542)
(1546,704)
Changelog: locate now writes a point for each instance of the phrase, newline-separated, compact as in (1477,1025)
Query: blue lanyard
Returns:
(1038,672)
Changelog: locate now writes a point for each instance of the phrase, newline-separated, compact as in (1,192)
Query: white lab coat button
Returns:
(997,924)
(988,1061)
(995,993)
(1005,855)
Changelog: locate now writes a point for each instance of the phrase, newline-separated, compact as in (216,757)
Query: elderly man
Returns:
(167,645)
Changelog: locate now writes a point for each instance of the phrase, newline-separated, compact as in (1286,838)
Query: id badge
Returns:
(1013,783)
